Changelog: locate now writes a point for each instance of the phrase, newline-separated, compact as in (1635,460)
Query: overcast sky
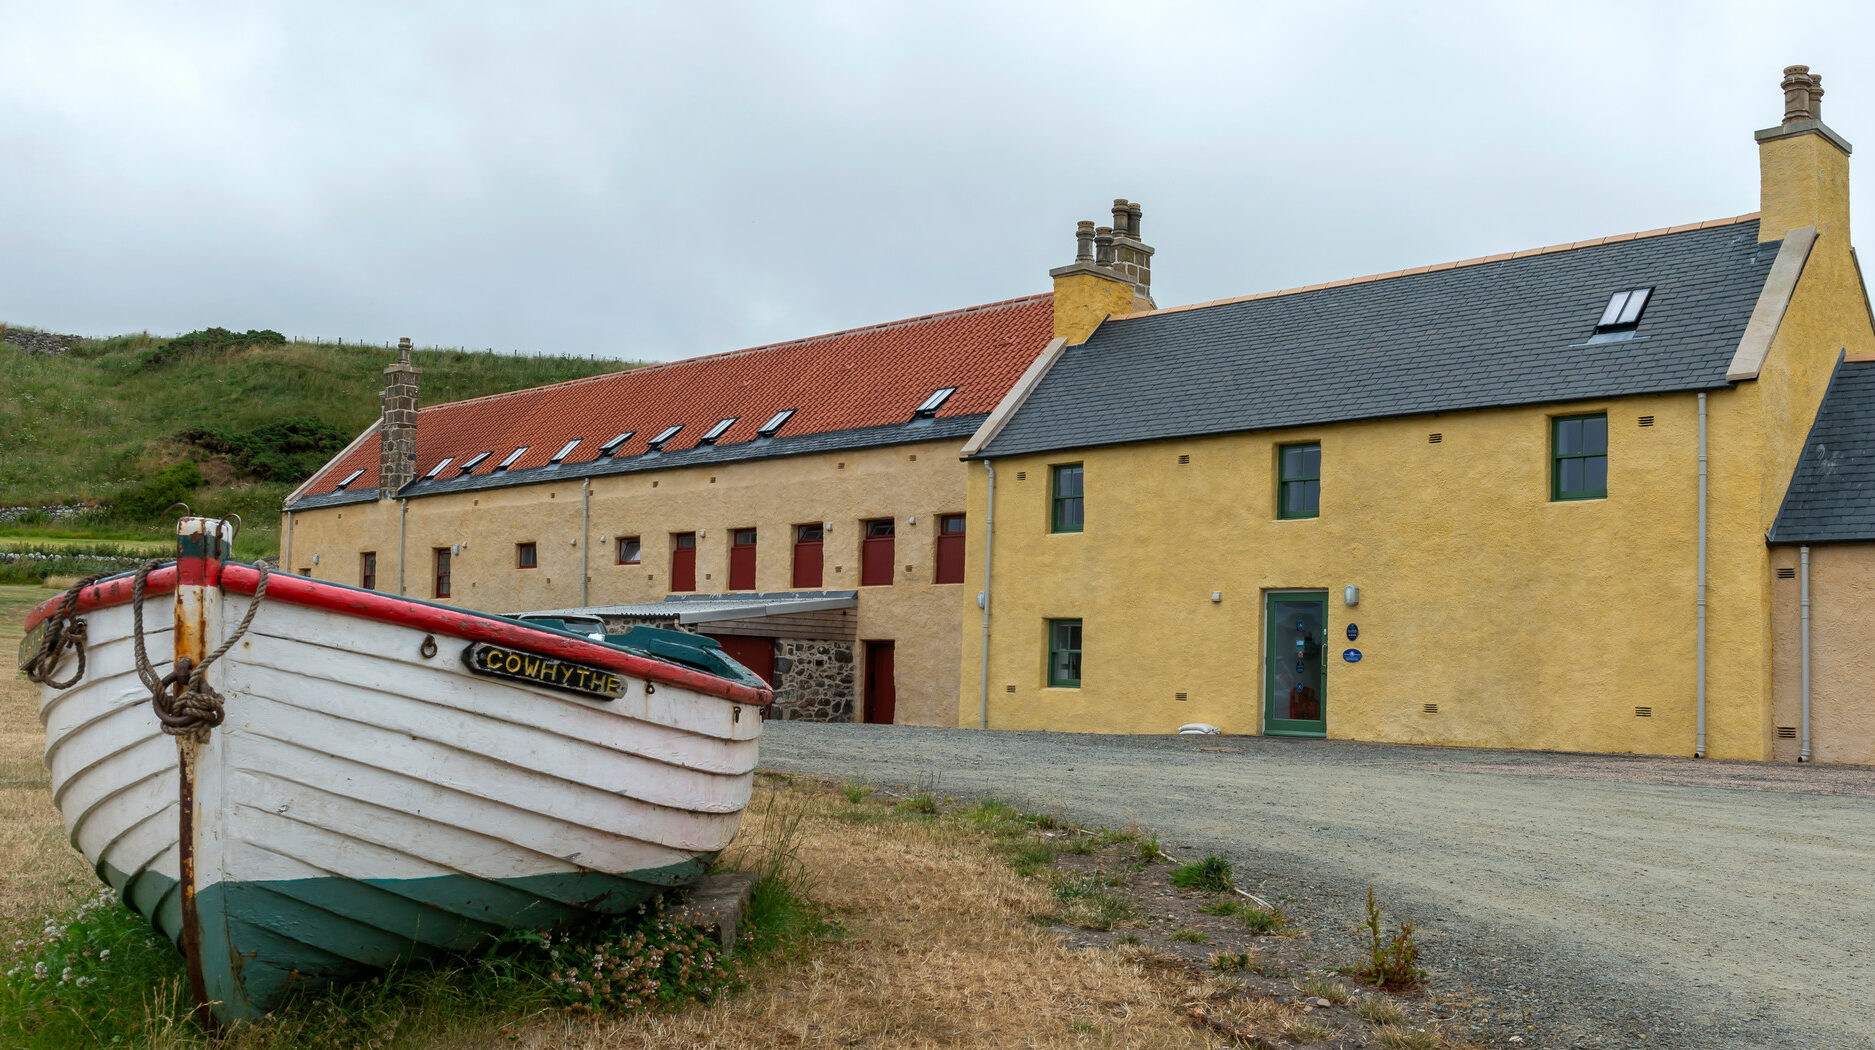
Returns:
(657,181)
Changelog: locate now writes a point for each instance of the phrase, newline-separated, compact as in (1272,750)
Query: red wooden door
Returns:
(876,554)
(807,544)
(756,654)
(881,690)
(684,561)
(742,560)
(950,549)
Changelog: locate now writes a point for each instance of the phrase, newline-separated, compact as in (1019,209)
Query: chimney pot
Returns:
(1084,241)
(1103,246)
(1120,217)
(1132,220)
(1798,101)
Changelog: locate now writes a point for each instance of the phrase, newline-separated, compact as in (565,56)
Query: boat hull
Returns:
(370,800)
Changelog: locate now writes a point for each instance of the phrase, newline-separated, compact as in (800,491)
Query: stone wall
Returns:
(39,342)
(57,512)
(813,680)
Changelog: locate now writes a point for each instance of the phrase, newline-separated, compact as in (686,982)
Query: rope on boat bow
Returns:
(185,703)
(62,633)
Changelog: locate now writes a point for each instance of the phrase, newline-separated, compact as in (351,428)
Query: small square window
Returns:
(628,550)
(934,402)
(615,444)
(438,469)
(349,478)
(709,437)
(1067,513)
(474,461)
(1299,484)
(512,457)
(368,570)
(1624,309)
(775,422)
(664,437)
(526,556)
(564,449)
(1064,654)
(1579,457)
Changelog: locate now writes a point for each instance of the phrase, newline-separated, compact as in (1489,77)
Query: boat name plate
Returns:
(29,646)
(499,661)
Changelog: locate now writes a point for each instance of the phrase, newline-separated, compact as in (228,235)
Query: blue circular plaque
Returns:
(1352,656)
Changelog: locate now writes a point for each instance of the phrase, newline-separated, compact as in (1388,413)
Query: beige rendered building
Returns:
(802,502)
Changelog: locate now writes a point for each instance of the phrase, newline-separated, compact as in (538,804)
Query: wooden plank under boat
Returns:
(393,778)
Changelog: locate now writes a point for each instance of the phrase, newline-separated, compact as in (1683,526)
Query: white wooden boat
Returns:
(393,778)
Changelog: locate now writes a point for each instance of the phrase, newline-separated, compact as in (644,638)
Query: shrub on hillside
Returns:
(209,341)
(149,499)
(284,450)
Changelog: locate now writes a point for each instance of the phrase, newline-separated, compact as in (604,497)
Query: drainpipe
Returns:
(1803,555)
(403,510)
(989,545)
(585,516)
(1699,750)
(286,544)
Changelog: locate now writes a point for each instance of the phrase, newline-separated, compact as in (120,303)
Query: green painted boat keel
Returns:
(264,941)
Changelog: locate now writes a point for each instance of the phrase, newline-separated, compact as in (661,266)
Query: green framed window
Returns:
(1064,654)
(1579,457)
(1066,514)
(1299,481)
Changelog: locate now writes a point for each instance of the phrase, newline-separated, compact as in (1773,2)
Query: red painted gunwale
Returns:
(436,619)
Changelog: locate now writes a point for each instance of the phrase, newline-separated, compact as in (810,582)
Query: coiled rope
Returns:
(185,703)
(62,633)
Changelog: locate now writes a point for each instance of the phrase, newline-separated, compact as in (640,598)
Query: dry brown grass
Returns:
(42,873)
(941,950)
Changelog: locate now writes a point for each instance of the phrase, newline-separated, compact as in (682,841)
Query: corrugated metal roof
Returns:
(1506,331)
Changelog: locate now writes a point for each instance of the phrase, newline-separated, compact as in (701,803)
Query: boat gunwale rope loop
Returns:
(63,632)
(185,704)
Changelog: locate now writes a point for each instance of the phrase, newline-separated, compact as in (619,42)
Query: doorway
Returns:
(881,691)
(1295,673)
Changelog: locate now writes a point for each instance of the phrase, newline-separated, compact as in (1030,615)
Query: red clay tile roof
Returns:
(864,377)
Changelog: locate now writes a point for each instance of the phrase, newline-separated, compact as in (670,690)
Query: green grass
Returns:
(1089,903)
(1212,874)
(87,426)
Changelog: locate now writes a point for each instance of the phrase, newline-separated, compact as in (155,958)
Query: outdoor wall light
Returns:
(1217,596)
(315,559)
(1351,595)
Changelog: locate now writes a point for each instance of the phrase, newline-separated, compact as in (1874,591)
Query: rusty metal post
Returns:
(201,546)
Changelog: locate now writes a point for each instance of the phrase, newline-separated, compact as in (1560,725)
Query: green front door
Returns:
(1294,671)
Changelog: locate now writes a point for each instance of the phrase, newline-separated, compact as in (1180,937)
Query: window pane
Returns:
(1568,437)
(1596,468)
(1071,663)
(1312,461)
(1067,481)
(1311,500)
(953,523)
(1637,300)
(1571,477)
(1595,434)
(1613,313)
(1070,513)
(1292,463)
(688,539)
(810,533)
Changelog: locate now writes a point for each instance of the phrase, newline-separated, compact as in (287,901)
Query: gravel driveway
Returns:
(1574,900)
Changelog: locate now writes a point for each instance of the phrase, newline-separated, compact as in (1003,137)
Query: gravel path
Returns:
(1574,900)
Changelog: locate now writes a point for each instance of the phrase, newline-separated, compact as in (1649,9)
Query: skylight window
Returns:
(934,402)
(1624,310)
(615,444)
(512,456)
(474,461)
(349,478)
(438,469)
(717,431)
(668,433)
(564,449)
(775,422)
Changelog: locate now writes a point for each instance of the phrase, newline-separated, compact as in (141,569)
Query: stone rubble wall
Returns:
(39,342)
(8,515)
(813,680)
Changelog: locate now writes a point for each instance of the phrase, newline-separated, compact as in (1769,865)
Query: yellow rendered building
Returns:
(1519,501)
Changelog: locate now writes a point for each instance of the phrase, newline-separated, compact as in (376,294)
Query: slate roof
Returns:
(1511,330)
(862,384)
(1831,497)
(707,608)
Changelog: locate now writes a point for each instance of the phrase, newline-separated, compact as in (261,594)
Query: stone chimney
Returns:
(1111,274)
(1803,166)
(397,424)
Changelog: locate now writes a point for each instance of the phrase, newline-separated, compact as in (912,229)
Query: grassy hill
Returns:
(228,421)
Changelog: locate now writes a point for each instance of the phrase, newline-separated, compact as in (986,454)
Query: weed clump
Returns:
(855,792)
(1149,847)
(1212,875)
(1190,936)
(1392,961)
(1231,962)
(1377,1010)
(1090,904)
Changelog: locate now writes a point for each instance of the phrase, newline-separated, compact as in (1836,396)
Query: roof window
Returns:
(438,469)
(717,431)
(664,437)
(349,478)
(934,402)
(615,444)
(1624,310)
(512,456)
(775,422)
(564,449)
(474,461)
